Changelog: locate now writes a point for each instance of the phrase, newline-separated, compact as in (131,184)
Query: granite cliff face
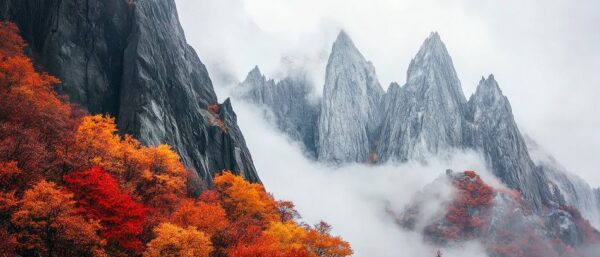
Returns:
(492,130)
(290,104)
(503,223)
(425,115)
(130,59)
(349,114)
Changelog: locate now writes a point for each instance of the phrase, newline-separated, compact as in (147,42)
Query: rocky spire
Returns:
(290,102)
(493,131)
(425,115)
(349,110)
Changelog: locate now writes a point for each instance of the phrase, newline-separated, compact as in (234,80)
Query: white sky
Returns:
(544,54)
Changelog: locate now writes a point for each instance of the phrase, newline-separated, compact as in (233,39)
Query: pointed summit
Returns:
(432,46)
(425,116)
(343,37)
(433,67)
(351,93)
(255,70)
(488,93)
(254,77)
(343,45)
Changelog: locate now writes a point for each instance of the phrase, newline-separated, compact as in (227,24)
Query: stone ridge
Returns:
(427,116)
(131,60)
(351,93)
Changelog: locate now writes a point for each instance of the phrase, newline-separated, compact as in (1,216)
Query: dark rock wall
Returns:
(130,59)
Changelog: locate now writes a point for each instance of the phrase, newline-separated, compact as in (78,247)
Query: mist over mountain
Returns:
(114,141)
(430,116)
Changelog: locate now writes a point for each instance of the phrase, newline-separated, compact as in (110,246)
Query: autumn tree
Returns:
(154,173)
(49,224)
(35,125)
(320,242)
(244,200)
(288,235)
(100,198)
(174,241)
(206,217)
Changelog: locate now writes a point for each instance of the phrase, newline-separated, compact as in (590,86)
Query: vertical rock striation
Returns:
(130,59)
(492,130)
(290,104)
(349,114)
(425,115)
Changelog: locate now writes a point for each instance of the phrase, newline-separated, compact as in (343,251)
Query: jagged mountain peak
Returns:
(488,92)
(432,47)
(343,38)
(255,71)
(254,77)
(432,70)
(344,45)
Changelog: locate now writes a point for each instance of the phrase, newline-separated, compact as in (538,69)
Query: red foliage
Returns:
(35,125)
(590,235)
(100,198)
(210,197)
(466,215)
(45,138)
(214,108)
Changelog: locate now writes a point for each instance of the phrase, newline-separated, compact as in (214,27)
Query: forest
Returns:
(71,185)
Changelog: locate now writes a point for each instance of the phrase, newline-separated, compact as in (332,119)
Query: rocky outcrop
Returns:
(130,59)
(425,115)
(290,104)
(349,114)
(505,225)
(491,129)
(574,191)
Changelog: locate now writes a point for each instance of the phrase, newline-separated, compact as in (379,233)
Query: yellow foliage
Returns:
(242,199)
(288,235)
(152,172)
(49,224)
(174,241)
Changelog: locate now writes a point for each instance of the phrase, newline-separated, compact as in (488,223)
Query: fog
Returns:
(544,53)
(355,199)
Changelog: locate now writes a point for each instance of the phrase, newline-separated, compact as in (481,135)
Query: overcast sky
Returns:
(544,54)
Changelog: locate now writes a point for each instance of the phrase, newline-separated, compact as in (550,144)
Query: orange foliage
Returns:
(206,217)
(155,173)
(465,215)
(102,181)
(35,126)
(49,224)
(175,241)
(244,200)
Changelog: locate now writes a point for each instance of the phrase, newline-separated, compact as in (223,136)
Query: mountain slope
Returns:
(425,115)
(493,131)
(349,109)
(290,104)
(138,67)
(428,116)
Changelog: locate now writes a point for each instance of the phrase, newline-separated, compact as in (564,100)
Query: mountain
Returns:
(491,129)
(290,103)
(130,59)
(429,115)
(575,191)
(349,109)
(425,115)
(497,218)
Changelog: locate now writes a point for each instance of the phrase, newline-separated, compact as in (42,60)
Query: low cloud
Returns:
(354,198)
(543,52)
